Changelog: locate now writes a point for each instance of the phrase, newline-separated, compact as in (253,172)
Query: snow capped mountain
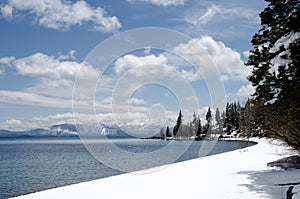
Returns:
(67,130)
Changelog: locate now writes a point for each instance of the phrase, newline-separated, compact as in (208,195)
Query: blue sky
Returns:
(44,43)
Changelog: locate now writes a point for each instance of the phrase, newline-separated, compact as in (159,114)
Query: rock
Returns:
(286,163)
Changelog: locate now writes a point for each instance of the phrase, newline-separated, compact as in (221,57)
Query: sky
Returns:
(51,50)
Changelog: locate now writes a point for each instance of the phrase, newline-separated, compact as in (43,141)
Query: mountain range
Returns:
(65,130)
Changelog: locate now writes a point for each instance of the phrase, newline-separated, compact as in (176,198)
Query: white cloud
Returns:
(206,17)
(53,73)
(128,62)
(201,52)
(246,91)
(69,56)
(15,125)
(217,13)
(6,60)
(13,122)
(59,116)
(60,14)
(18,97)
(6,11)
(162,2)
(227,60)
(135,101)
(246,53)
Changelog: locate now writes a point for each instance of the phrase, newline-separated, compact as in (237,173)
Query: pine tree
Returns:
(168,132)
(199,128)
(274,80)
(222,122)
(178,123)
(227,118)
(207,127)
(208,116)
(218,117)
(275,59)
(162,134)
(194,123)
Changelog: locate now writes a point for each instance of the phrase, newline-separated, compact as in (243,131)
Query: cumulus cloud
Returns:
(227,60)
(128,62)
(14,125)
(204,53)
(61,14)
(162,2)
(6,11)
(246,91)
(53,72)
(6,60)
(13,122)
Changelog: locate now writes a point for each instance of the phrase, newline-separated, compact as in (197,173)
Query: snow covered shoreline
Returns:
(236,174)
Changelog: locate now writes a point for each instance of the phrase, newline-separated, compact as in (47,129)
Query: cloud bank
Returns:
(61,14)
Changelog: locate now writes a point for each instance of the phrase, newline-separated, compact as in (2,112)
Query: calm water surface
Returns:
(31,165)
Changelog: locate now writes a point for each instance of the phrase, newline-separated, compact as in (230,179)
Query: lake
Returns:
(31,165)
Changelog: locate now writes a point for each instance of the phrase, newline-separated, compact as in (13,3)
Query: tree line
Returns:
(216,125)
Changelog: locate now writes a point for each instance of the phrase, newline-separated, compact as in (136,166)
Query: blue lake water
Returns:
(31,165)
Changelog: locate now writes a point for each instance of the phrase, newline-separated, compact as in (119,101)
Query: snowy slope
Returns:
(237,174)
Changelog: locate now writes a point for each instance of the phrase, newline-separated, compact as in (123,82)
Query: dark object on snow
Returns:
(286,163)
(289,193)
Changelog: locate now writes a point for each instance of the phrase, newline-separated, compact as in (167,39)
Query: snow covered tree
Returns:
(275,60)
(207,127)
(222,121)
(178,123)
(194,123)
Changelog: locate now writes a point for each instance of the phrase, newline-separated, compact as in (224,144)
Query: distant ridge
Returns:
(65,130)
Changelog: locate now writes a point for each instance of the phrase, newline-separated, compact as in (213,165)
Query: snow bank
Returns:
(237,174)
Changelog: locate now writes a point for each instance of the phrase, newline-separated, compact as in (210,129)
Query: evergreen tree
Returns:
(208,116)
(162,134)
(194,123)
(275,59)
(199,128)
(178,123)
(222,122)
(168,132)
(227,118)
(207,126)
(232,115)
(218,117)
(227,123)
